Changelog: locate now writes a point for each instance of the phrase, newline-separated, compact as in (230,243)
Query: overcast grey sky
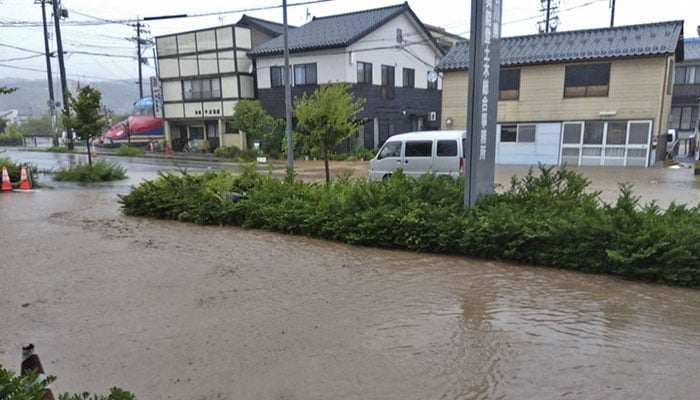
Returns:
(103,51)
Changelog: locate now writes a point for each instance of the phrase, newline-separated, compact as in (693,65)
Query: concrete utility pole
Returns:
(612,13)
(52,100)
(139,57)
(57,14)
(482,99)
(551,21)
(287,91)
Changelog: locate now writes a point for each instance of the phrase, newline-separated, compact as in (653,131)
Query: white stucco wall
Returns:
(379,48)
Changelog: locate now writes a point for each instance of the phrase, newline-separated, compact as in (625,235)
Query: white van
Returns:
(418,153)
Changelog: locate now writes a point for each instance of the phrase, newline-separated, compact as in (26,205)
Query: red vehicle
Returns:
(140,129)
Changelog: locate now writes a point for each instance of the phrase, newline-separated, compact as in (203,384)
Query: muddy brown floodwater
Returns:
(178,311)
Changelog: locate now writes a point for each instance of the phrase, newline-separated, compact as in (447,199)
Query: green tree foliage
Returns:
(251,118)
(28,387)
(326,118)
(86,120)
(37,126)
(23,387)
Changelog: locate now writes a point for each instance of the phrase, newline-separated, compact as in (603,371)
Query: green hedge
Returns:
(548,219)
(13,138)
(14,170)
(99,171)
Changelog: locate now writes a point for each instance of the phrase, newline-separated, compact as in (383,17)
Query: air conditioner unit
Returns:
(432,116)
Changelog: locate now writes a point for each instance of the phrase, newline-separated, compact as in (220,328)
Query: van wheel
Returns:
(385,177)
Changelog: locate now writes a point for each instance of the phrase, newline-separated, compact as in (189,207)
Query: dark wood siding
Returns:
(392,119)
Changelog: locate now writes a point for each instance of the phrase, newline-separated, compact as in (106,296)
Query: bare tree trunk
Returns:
(326,156)
(87,144)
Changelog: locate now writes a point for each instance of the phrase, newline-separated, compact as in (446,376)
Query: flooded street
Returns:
(177,311)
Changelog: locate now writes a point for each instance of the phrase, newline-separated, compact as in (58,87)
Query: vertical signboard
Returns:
(482,99)
(157,94)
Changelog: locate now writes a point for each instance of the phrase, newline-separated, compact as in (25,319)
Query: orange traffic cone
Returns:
(31,362)
(24,182)
(6,183)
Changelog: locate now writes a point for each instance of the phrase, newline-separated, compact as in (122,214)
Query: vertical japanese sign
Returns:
(157,94)
(482,99)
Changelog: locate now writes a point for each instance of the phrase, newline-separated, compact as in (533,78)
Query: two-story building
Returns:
(203,74)
(586,97)
(386,54)
(686,93)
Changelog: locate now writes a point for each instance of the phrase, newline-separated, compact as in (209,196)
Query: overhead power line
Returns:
(103,21)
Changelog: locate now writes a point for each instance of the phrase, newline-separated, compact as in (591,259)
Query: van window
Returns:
(390,149)
(446,148)
(419,148)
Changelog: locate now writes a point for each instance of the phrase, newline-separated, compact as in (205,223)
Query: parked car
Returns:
(418,153)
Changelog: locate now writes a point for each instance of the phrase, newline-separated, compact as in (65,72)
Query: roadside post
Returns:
(482,99)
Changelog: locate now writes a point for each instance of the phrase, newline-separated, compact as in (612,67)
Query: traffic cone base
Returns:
(24,183)
(6,183)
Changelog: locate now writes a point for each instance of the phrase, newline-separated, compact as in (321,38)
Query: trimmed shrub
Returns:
(129,151)
(227,151)
(99,171)
(13,138)
(548,220)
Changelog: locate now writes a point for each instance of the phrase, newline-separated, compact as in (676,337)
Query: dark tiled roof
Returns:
(333,31)
(269,27)
(692,49)
(592,44)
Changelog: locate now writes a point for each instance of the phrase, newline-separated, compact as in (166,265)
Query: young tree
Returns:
(327,117)
(251,118)
(37,126)
(6,90)
(86,120)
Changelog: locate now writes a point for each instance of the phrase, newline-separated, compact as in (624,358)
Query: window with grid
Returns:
(305,74)
(201,89)
(521,133)
(687,75)
(364,72)
(590,80)
(509,84)
(276,79)
(683,118)
(409,78)
(387,82)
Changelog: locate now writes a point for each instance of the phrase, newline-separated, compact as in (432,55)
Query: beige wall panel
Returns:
(229,87)
(454,99)
(243,38)
(224,37)
(172,91)
(636,92)
(247,89)
(208,64)
(173,110)
(244,63)
(166,46)
(206,40)
(212,109)
(228,107)
(168,68)
(185,43)
(188,66)
(193,110)
(227,63)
